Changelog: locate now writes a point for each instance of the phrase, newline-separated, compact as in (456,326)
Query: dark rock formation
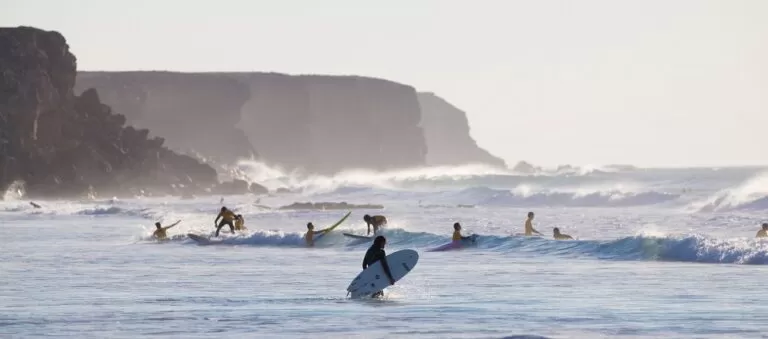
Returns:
(328,206)
(446,131)
(195,113)
(63,145)
(238,186)
(322,124)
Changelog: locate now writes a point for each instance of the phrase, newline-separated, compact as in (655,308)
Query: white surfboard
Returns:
(373,279)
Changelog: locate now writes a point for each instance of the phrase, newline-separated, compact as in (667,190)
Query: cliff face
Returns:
(63,145)
(325,124)
(446,131)
(195,113)
(322,124)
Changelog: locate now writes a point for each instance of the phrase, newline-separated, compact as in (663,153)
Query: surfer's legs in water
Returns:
(222,223)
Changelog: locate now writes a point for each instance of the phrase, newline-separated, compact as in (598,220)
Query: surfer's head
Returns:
(157,224)
(530,215)
(556,231)
(310,226)
(457,226)
(239,216)
(765,226)
(223,208)
(367,218)
(380,241)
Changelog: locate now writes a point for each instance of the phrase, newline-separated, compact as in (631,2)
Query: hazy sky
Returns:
(654,83)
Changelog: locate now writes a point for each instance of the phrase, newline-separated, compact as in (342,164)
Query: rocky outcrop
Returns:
(195,113)
(321,124)
(63,145)
(446,131)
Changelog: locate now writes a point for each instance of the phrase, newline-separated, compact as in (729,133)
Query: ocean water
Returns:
(659,253)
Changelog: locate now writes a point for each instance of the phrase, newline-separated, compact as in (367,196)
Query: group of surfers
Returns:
(236,222)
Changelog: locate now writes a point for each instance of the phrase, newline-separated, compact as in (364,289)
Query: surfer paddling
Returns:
(457,233)
(559,236)
(377,221)
(376,253)
(529,230)
(763,233)
(160,232)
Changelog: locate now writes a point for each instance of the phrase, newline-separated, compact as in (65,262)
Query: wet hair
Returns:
(366,218)
(556,230)
(530,214)
(309,225)
(239,216)
(456,225)
(157,224)
(380,240)
(765,225)
(223,208)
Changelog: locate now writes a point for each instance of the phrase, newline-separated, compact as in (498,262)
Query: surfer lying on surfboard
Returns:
(374,254)
(160,233)
(560,236)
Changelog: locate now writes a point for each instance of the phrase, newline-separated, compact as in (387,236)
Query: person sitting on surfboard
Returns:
(239,223)
(310,236)
(457,233)
(763,233)
(376,221)
(159,233)
(227,217)
(529,225)
(559,236)
(374,254)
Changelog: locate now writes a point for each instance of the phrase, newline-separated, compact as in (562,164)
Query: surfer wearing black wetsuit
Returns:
(374,254)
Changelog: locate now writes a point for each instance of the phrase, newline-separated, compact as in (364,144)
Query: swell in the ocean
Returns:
(694,248)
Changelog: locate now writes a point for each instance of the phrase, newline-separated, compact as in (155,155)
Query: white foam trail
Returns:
(274,177)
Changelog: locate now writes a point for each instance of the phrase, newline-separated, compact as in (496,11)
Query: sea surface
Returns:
(659,253)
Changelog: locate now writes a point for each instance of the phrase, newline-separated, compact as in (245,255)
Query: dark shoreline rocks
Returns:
(66,146)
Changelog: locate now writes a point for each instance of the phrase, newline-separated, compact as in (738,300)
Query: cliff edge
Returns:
(63,145)
(315,123)
(446,130)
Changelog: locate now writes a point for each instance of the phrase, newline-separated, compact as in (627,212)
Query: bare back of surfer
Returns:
(377,221)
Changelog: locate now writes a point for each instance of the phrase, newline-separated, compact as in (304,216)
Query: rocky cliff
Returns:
(446,131)
(65,145)
(195,113)
(322,124)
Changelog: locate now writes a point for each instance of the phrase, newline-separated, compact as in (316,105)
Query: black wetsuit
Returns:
(373,255)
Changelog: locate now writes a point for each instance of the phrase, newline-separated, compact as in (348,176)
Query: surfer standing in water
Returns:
(559,236)
(310,236)
(529,230)
(374,254)
(377,221)
(160,233)
(763,233)
(239,223)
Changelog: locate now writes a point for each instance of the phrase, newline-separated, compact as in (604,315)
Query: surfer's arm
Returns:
(171,225)
(385,265)
(369,229)
(217,218)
